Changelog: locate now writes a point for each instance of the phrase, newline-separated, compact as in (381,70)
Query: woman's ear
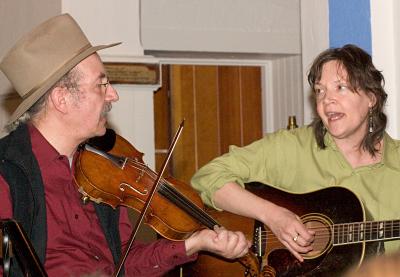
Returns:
(372,100)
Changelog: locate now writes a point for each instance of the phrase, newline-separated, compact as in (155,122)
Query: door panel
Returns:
(251,104)
(221,106)
(207,114)
(230,107)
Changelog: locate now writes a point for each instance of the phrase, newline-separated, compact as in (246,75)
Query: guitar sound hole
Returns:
(323,234)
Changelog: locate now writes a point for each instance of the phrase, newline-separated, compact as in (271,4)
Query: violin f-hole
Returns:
(122,187)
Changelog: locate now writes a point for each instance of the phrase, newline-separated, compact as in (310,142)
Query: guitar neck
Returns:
(349,233)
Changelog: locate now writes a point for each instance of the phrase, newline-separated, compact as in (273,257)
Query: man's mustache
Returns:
(106,109)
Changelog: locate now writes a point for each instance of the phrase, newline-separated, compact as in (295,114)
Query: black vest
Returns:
(19,168)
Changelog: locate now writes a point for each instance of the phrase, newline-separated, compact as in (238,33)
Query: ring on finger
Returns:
(295,238)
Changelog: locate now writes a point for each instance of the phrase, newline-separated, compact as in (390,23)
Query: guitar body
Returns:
(318,210)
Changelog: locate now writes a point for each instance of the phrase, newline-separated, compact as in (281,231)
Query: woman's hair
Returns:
(362,75)
(69,81)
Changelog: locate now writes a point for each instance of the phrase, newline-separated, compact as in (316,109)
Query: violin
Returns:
(110,170)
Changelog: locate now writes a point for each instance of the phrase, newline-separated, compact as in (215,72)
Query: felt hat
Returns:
(40,58)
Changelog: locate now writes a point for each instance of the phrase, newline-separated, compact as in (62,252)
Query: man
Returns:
(66,96)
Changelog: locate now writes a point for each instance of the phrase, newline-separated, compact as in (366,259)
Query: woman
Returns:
(346,145)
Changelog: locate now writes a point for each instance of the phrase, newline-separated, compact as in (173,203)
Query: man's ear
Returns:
(58,99)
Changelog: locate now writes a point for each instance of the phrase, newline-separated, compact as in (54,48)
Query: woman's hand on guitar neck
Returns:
(220,241)
(289,229)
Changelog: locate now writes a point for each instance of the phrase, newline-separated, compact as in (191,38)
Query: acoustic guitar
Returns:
(343,237)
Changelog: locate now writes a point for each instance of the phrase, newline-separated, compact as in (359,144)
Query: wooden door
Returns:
(221,106)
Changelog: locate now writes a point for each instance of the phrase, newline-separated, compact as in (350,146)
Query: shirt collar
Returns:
(329,142)
(44,152)
(391,150)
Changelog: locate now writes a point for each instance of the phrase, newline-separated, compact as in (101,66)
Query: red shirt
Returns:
(76,244)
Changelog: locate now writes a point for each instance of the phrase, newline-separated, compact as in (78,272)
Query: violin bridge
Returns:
(141,174)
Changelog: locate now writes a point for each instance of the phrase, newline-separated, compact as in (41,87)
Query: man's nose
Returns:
(112,94)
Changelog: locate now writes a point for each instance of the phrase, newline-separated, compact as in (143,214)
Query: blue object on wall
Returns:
(350,22)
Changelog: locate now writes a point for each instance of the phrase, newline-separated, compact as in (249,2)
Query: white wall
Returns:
(282,92)
(16,19)
(106,21)
(233,26)
(315,39)
(385,54)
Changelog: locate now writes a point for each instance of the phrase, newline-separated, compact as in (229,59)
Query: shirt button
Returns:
(96,257)
(76,216)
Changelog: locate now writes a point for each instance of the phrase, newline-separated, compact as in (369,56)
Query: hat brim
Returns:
(49,82)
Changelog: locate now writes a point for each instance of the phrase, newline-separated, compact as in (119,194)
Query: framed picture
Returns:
(133,73)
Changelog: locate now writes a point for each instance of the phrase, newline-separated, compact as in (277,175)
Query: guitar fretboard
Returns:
(348,233)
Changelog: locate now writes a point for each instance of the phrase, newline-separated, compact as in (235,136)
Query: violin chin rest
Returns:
(104,143)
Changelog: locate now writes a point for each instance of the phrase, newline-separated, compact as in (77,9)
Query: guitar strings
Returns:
(342,237)
(365,232)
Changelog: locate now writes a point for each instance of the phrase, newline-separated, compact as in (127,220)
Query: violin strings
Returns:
(175,196)
(140,164)
(193,209)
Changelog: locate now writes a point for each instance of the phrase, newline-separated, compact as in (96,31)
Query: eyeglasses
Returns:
(104,85)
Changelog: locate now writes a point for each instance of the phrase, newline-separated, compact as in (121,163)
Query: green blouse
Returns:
(292,161)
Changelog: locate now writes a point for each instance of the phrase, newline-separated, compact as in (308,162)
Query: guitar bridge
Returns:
(259,240)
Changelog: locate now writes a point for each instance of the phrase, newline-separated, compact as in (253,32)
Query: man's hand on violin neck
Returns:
(220,241)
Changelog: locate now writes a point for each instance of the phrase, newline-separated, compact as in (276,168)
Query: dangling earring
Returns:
(370,121)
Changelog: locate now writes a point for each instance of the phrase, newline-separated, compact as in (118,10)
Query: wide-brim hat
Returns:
(40,58)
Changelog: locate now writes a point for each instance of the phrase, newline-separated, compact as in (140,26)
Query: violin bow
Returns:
(148,201)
